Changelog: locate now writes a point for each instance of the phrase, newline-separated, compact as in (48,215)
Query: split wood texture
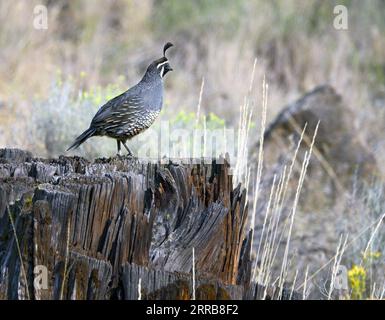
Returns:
(72,229)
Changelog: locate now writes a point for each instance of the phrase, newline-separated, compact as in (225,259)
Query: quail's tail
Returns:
(83,137)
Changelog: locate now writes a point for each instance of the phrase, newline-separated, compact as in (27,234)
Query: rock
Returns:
(339,154)
(340,162)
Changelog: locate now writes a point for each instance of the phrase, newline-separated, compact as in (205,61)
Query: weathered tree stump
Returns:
(116,227)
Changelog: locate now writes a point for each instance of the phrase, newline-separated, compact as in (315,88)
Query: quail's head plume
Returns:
(135,110)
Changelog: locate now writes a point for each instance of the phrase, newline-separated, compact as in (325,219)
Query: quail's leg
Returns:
(128,150)
(118,144)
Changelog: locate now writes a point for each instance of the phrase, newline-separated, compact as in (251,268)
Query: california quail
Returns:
(130,113)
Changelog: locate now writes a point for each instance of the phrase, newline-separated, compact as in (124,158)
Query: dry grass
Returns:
(140,289)
(23,272)
(296,54)
(193,273)
(66,258)
(52,82)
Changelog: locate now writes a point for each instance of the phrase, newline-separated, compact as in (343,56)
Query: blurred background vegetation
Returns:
(53,81)
(93,50)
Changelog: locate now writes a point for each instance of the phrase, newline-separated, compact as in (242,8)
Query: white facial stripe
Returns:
(161,64)
(161,72)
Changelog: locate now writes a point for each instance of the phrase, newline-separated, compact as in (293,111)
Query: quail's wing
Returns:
(117,109)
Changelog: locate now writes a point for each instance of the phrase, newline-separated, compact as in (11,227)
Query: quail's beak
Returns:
(168,68)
